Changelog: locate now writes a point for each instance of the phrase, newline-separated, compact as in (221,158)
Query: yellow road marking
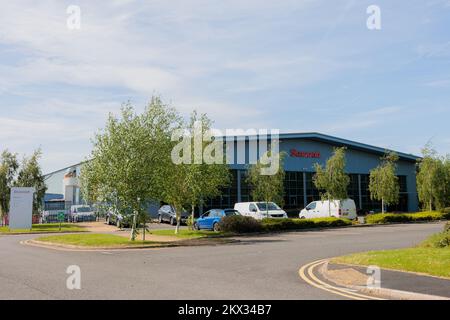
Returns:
(307,280)
(315,282)
(311,274)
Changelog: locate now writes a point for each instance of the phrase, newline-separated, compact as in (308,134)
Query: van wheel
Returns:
(216,227)
(302,217)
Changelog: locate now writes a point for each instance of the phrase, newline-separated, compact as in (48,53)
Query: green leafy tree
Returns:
(332,181)
(30,175)
(8,170)
(175,190)
(446,186)
(384,185)
(268,188)
(432,183)
(201,175)
(129,160)
(204,180)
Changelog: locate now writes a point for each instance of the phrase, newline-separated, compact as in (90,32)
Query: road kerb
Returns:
(386,293)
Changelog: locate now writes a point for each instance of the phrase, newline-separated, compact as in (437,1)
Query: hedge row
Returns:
(298,224)
(406,217)
(241,224)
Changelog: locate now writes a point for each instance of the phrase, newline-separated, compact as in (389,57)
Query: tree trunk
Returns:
(177,228)
(382,205)
(431,205)
(192,218)
(143,229)
(178,218)
(133,229)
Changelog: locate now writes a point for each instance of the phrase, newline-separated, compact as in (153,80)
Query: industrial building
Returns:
(303,150)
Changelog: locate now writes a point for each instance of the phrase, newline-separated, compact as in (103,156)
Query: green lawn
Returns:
(187,234)
(94,240)
(45,228)
(433,261)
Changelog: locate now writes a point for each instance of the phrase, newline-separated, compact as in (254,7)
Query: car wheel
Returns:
(196,227)
(172,221)
(302,217)
(216,227)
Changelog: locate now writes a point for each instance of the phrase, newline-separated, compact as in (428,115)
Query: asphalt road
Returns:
(263,267)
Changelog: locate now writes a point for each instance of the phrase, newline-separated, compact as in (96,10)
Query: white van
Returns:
(334,208)
(260,210)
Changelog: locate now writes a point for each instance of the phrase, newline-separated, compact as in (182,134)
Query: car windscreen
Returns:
(262,206)
(231,213)
(84,209)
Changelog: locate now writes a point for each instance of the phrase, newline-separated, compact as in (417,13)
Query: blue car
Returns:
(210,220)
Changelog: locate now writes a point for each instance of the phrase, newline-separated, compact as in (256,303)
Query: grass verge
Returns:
(45,228)
(94,240)
(431,261)
(431,257)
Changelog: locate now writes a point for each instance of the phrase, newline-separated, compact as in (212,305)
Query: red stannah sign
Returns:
(302,154)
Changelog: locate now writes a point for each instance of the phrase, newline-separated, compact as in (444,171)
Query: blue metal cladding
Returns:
(304,150)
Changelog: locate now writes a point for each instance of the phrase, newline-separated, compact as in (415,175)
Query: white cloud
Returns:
(242,62)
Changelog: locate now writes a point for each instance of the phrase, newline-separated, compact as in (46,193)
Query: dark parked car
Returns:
(113,217)
(167,214)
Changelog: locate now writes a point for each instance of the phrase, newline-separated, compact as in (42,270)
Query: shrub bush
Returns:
(439,240)
(447,227)
(298,224)
(446,210)
(240,224)
(407,217)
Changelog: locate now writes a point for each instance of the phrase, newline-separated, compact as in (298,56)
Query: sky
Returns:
(296,66)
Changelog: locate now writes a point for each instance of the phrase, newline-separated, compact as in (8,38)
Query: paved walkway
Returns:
(405,281)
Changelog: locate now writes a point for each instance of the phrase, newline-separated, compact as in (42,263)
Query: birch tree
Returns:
(8,171)
(268,188)
(129,159)
(205,180)
(433,179)
(30,175)
(331,180)
(198,170)
(384,185)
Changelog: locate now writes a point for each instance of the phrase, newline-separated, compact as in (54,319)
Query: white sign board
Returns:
(21,208)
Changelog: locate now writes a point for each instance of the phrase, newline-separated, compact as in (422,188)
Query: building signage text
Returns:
(302,154)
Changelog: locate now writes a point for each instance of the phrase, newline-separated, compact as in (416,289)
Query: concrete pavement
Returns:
(262,267)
